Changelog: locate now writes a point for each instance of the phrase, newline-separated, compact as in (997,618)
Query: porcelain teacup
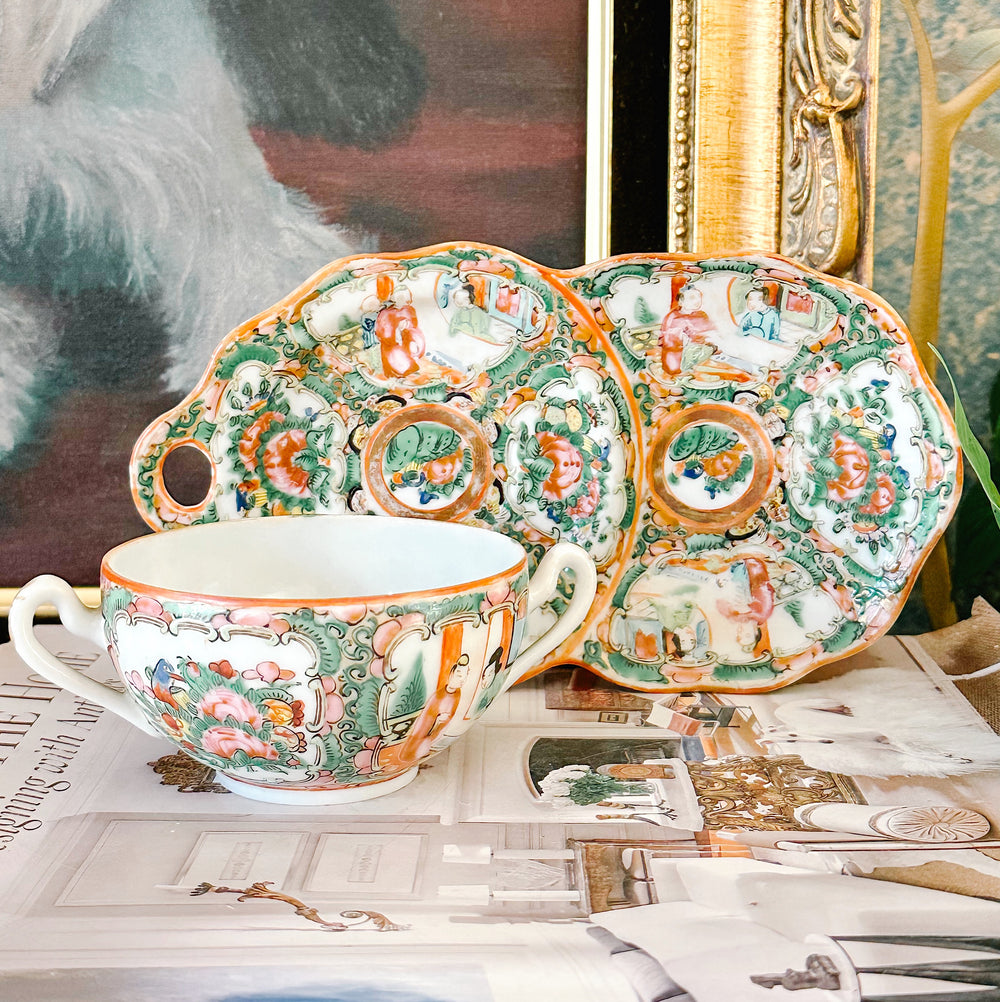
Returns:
(310,659)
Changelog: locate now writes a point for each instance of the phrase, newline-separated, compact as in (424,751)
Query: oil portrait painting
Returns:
(169,170)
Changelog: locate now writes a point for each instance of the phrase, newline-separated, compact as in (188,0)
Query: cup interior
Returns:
(313,557)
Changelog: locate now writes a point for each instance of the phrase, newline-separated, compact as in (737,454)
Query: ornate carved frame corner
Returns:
(772,111)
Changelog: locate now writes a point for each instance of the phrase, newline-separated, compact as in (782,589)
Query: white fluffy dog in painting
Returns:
(128,167)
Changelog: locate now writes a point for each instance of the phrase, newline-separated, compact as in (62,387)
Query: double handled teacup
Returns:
(311,659)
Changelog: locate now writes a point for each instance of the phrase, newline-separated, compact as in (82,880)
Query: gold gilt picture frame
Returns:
(772,129)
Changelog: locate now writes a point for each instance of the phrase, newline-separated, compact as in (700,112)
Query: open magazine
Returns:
(828,841)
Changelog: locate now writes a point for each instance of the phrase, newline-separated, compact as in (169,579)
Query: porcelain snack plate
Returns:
(750,451)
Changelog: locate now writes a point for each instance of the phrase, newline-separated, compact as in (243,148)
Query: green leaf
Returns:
(203,432)
(243,352)
(847,633)
(402,448)
(794,608)
(685,444)
(643,314)
(530,449)
(995,411)
(826,467)
(977,543)
(593,787)
(539,469)
(702,440)
(715,439)
(437,440)
(974,452)
(701,542)
(414,695)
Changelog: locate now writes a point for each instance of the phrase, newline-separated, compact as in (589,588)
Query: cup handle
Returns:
(81,621)
(541,587)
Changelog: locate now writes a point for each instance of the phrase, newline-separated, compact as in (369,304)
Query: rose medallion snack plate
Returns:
(749,450)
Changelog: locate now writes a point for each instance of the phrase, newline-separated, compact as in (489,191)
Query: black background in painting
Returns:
(640,141)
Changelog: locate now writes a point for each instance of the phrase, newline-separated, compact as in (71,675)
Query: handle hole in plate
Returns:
(187,475)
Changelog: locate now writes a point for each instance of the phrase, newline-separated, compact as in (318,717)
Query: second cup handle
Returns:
(541,587)
(79,620)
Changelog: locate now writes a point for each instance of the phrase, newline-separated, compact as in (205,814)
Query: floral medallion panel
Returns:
(749,450)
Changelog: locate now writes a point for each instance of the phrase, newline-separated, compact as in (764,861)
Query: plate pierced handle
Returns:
(177,435)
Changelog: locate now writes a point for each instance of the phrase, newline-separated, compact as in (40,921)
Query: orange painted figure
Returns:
(751,619)
(509,299)
(687,324)
(397,329)
(436,715)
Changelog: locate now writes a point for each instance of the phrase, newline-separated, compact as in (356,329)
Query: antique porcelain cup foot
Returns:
(315,798)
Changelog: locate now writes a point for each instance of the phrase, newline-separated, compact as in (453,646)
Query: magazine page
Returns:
(582,840)
(55,747)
